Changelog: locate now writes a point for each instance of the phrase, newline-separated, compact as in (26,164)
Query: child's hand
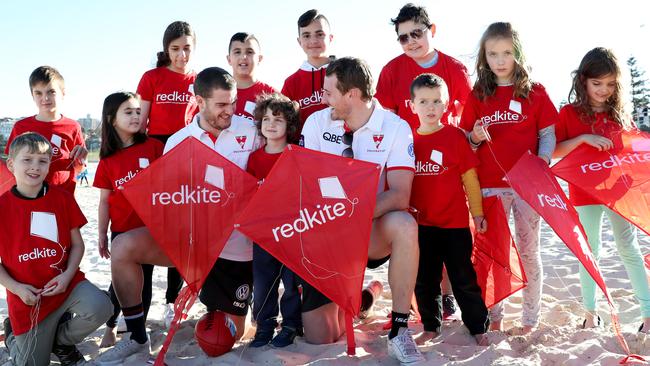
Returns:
(27,293)
(480,224)
(599,142)
(57,285)
(102,244)
(78,155)
(479,133)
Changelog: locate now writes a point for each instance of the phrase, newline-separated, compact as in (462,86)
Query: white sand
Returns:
(558,341)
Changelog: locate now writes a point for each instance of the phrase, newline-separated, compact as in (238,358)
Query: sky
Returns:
(104,46)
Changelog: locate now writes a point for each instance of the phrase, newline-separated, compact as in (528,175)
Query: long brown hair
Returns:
(111,142)
(598,63)
(486,81)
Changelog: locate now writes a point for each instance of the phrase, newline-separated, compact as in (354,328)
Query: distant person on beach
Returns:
(596,116)
(168,104)
(69,152)
(125,151)
(445,181)
(228,286)
(52,307)
(305,86)
(507,115)
(83,176)
(244,55)
(357,118)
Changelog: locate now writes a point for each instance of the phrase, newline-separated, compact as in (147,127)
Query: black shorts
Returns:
(374,263)
(228,287)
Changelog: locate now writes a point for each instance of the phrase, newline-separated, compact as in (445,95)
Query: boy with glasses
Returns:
(369,132)
(415,33)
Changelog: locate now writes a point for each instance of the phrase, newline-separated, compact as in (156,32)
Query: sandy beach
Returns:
(558,341)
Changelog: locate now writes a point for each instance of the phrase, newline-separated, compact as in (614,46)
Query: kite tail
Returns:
(182,305)
(349,332)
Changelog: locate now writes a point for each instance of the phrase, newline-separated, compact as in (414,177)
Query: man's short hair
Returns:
(45,75)
(309,16)
(35,143)
(242,37)
(430,81)
(352,73)
(213,78)
(418,14)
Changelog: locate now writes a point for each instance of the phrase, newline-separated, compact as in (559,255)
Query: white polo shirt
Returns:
(235,143)
(385,139)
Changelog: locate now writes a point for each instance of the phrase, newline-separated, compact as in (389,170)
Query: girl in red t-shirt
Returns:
(124,152)
(507,115)
(595,116)
(168,104)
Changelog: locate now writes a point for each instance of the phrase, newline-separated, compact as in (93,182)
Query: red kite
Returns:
(314,214)
(496,260)
(189,199)
(544,194)
(618,178)
(7,179)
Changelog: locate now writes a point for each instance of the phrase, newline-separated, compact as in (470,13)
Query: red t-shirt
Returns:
(305,86)
(438,193)
(513,125)
(394,86)
(260,163)
(569,126)
(118,169)
(64,135)
(171,94)
(34,247)
(246,99)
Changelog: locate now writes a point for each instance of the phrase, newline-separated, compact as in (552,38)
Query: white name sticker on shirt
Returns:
(143,162)
(43,225)
(515,106)
(249,107)
(436,157)
(214,176)
(330,187)
(56,140)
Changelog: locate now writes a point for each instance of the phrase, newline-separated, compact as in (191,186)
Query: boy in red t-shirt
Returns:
(68,147)
(41,248)
(444,176)
(305,86)
(415,33)
(244,55)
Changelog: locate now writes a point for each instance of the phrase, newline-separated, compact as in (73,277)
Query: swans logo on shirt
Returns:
(319,214)
(314,99)
(433,166)
(197,194)
(142,163)
(377,139)
(241,140)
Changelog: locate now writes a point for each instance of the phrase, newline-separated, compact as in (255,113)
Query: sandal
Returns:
(599,322)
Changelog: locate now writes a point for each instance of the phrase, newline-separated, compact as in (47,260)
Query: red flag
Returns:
(544,194)
(618,178)
(495,257)
(189,199)
(314,214)
(7,179)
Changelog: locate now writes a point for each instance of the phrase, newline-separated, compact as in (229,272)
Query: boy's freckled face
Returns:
(29,169)
(429,104)
(48,96)
(244,57)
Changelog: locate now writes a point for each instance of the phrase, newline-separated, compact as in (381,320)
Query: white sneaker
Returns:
(122,350)
(404,349)
(168,315)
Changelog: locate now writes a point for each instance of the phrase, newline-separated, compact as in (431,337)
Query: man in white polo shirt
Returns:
(229,284)
(356,126)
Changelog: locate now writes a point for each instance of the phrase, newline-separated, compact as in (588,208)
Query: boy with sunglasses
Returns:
(415,33)
(355,125)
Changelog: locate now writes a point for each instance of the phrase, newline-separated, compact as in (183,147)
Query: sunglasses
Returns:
(415,34)
(348,137)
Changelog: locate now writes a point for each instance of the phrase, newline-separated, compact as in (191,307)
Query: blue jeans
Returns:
(267,272)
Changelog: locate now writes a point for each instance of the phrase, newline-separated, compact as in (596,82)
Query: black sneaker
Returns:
(7,330)
(262,337)
(284,338)
(448,306)
(68,355)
